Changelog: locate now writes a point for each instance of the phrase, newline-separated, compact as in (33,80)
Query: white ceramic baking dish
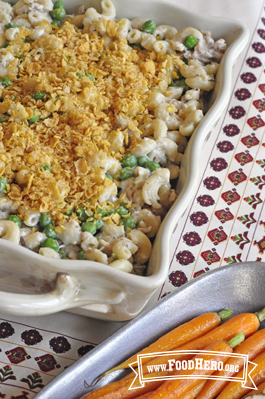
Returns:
(35,285)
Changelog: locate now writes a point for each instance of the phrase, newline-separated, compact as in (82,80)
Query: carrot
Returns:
(261,389)
(248,323)
(120,389)
(179,336)
(177,388)
(235,390)
(192,393)
(252,347)
(144,396)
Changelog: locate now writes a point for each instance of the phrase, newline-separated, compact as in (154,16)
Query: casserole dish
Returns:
(236,287)
(35,285)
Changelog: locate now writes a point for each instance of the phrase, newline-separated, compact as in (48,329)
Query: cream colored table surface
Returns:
(35,349)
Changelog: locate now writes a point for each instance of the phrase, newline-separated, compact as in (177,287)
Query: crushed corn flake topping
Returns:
(77,117)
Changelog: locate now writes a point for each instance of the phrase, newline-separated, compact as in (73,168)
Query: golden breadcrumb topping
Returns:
(50,147)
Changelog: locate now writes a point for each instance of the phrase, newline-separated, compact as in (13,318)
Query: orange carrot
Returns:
(179,336)
(248,323)
(192,393)
(235,390)
(176,389)
(261,389)
(144,396)
(252,347)
(120,389)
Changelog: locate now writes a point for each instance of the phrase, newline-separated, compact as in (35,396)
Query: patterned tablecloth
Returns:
(224,224)
(226,220)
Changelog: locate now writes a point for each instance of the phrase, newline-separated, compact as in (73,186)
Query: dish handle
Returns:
(63,296)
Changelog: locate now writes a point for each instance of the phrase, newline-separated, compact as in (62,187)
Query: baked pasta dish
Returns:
(95,115)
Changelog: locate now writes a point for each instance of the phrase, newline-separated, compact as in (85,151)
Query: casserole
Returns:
(91,288)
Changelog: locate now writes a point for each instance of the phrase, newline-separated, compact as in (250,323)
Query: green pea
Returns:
(55,23)
(149,26)
(90,227)
(49,231)
(3,184)
(141,161)
(81,255)
(47,167)
(190,42)
(6,44)
(129,222)
(62,254)
(152,165)
(122,211)
(51,243)
(68,213)
(98,223)
(110,212)
(129,160)
(15,219)
(3,119)
(45,219)
(101,212)
(35,118)
(5,82)
(126,174)
(109,177)
(58,4)
(12,25)
(39,95)
(81,214)
(58,13)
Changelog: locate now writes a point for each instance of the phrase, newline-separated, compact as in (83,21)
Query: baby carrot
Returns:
(120,389)
(252,347)
(235,390)
(192,393)
(261,389)
(176,389)
(144,396)
(179,336)
(248,323)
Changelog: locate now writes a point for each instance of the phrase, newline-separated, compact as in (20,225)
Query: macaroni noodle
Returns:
(95,115)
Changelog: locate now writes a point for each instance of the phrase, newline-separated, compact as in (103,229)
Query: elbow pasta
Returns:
(95,115)
(9,231)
